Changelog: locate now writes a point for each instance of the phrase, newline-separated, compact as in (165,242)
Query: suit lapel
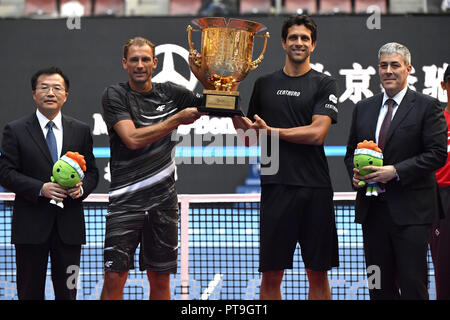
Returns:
(68,134)
(373,116)
(35,131)
(403,109)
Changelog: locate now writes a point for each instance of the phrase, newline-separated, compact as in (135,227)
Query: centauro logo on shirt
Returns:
(333,98)
(332,107)
(289,93)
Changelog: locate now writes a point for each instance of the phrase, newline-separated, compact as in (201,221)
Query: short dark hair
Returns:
(299,20)
(139,42)
(447,73)
(49,70)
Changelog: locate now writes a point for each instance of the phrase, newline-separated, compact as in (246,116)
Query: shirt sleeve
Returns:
(183,97)
(114,108)
(253,104)
(327,99)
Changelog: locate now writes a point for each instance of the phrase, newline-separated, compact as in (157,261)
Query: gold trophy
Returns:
(226,59)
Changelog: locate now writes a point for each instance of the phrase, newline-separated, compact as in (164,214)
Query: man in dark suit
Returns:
(30,146)
(410,129)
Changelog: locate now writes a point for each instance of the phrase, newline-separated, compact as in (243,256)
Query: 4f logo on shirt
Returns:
(161,107)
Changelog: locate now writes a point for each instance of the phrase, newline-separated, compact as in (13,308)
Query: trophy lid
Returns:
(220,22)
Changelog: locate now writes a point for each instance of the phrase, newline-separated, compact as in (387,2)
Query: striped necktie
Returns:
(386,124)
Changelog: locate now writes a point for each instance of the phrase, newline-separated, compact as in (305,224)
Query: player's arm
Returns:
(117,116)
(135,138)
(242,123)
(324,114)
(312,134)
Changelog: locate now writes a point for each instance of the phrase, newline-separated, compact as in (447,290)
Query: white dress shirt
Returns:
(57,129)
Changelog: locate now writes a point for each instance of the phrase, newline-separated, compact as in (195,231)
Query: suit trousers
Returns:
(31,264)
(440,247)
(400,252)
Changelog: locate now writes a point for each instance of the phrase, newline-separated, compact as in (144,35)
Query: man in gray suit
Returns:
(410,129)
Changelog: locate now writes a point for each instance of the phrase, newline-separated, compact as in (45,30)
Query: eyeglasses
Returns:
(56,89)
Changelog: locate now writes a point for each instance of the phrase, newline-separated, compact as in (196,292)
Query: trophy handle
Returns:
(254,64)
(197,61)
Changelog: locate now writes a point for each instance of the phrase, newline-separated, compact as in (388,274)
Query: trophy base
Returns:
(221,103)
(220,112)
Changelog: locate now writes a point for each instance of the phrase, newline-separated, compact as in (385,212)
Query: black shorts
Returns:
(291,215)
(155,230)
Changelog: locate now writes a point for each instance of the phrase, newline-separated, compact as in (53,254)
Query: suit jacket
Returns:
(416,145)
(26,164)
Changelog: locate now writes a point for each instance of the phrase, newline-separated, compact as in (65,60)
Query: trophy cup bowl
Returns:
(226,59)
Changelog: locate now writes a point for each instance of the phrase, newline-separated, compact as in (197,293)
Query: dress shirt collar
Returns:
(397,98)
(43,120)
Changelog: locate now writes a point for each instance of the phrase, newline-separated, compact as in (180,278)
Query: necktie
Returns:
(386,124)
(51,141)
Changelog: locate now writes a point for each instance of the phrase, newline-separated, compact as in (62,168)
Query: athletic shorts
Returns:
(291,215)
(157,233)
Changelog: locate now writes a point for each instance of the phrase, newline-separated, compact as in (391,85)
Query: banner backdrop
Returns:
(89,51)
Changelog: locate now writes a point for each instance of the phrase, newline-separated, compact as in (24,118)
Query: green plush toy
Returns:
(68,171)
(367,153)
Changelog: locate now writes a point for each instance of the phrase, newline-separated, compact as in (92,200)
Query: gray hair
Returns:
(394,47)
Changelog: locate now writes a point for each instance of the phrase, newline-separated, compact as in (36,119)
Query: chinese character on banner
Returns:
(319,68)
(99,125)
(432,82)
(412,79)
(107,174)
(357,81)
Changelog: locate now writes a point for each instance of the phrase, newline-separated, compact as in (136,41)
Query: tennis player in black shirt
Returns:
(143,205)
(299,105)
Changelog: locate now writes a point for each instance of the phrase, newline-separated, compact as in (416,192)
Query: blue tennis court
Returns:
(223,244)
